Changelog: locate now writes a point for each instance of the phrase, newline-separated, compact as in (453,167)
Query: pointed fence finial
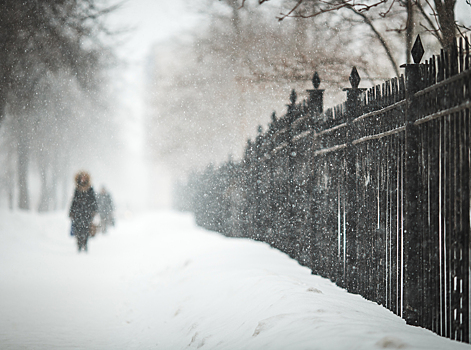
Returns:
(315,104)
(316,81)
(293,97)
(417,50)
(354,78)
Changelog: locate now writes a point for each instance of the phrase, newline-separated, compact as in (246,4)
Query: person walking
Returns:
(83,209)
(105,207)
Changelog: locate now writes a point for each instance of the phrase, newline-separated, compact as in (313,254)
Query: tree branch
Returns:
(380,38)
(435,31)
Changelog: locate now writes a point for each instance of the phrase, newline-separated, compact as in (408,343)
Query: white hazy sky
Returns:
(151,21)
(146,22)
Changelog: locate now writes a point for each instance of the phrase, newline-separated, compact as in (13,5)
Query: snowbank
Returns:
(156,281)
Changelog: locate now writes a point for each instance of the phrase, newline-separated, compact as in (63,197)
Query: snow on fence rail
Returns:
(372,194)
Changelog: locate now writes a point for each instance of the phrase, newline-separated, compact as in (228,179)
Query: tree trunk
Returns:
(3,104)
(10,173)
(53,190)
(446,18)
(23,158)
(409,30)
(11,187)
(44,198)
(65,188)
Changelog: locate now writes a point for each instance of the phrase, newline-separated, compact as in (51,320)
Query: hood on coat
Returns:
(83,181)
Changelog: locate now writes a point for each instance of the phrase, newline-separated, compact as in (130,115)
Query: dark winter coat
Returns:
(84,206)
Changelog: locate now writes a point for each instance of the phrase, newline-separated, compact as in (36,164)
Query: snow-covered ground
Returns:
(156,281)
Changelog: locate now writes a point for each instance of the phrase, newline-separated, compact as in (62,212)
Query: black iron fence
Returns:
(372,194)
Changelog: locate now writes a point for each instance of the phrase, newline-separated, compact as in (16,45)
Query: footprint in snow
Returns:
(389,342)
(268,323)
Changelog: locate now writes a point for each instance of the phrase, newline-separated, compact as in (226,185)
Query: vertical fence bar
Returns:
(434,215)
(447,229)
(394,223)
(426,223)
(465,225)
(382,257)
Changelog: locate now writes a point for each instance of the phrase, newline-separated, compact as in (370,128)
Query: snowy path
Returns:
(158,282)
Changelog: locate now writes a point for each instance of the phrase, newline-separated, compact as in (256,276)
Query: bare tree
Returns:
(440,19)
(38,37)
(439,15)
(47,35)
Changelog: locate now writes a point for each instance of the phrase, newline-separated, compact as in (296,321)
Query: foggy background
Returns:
(183,83)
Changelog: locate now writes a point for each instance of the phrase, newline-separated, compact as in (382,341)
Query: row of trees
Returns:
(52,78)
(210,90)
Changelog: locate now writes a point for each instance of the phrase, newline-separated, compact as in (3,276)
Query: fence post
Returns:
(353,109)
(258,168)
(249,192)
(291,202)
(316,97)
(315,109)
(412,286)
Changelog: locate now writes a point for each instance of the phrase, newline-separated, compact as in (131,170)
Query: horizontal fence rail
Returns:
(373,194)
